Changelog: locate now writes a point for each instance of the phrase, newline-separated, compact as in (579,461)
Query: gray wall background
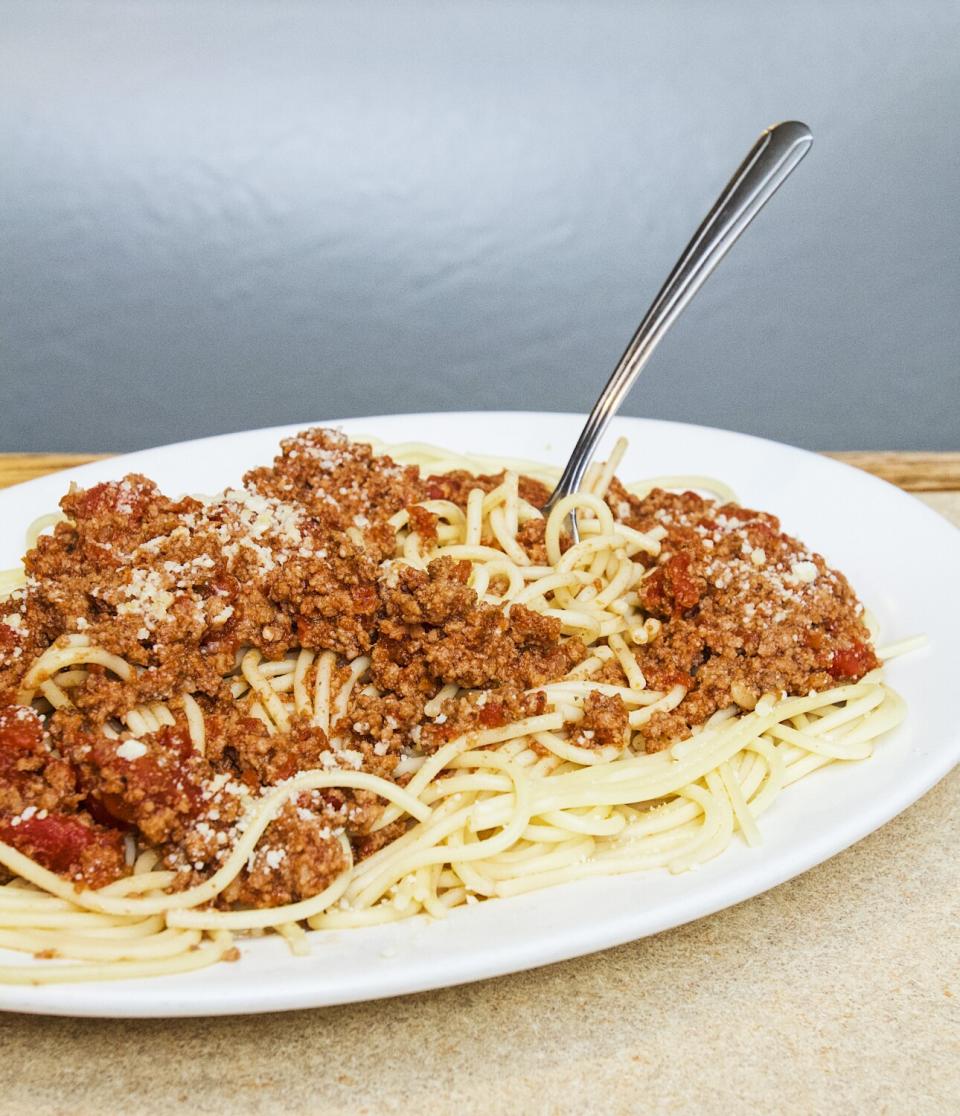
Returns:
(224,215)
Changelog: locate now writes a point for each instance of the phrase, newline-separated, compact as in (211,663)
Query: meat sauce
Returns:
(301,556)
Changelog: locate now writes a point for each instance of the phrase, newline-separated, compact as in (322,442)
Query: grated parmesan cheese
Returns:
(132,750)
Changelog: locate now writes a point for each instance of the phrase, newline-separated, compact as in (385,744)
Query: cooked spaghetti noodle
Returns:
(366,687)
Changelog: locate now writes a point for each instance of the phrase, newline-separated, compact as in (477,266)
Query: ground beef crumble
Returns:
(435,629)
(324,471)
(605,722)
(456,486)
(745,609)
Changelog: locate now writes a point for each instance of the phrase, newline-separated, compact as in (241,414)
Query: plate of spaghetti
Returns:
(325,713)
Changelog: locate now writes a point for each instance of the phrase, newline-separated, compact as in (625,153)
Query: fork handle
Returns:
(770,162)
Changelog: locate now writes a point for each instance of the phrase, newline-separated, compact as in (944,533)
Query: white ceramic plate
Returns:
(902,560)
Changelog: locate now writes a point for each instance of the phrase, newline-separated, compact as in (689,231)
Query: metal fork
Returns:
(770,162)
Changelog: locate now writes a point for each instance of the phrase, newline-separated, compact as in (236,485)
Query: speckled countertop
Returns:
(838,992)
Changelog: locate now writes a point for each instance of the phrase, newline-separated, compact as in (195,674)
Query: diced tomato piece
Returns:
(493,714)
(853,661)
(62,844)
(671,589)
(21,740)
(21,729)
(160,783)
(97,810)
